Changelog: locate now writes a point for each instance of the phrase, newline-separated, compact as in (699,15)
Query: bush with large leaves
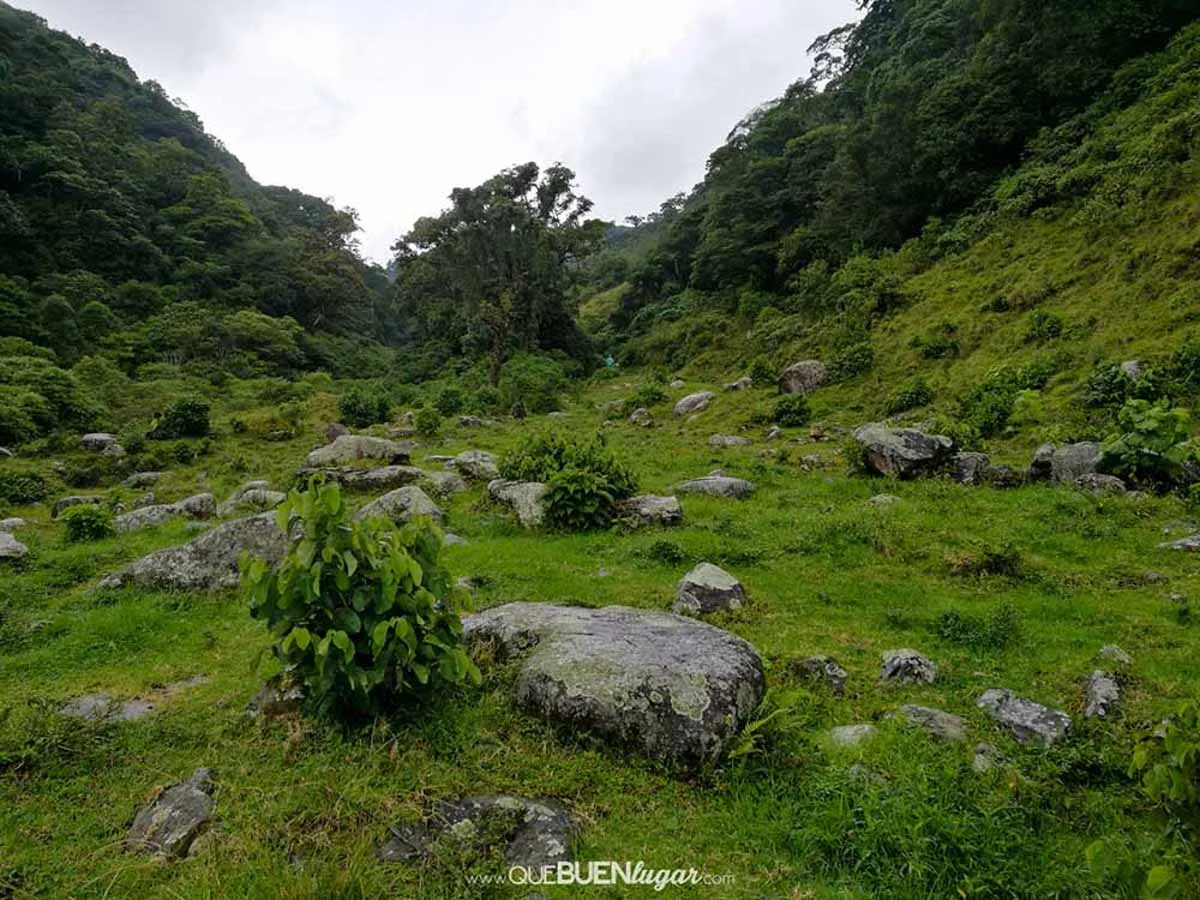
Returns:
(362,612)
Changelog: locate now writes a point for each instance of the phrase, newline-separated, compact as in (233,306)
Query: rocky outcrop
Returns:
(476,465)
(350,448)
(904,452)
(525,498)
(1029,722)
(666,686)
(402,505)
(210,562)
(1191,544)
(694,403)
(803,377)
(708,589)
(171,824)
(907,666)
(199,506)
(719,486)
(647,509)
(355,478)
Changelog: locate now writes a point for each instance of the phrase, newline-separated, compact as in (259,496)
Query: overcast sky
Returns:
(385,105)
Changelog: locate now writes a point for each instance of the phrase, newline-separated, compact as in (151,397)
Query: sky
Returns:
(386,105)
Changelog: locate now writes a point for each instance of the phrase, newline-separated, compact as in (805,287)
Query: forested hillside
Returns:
(126,230)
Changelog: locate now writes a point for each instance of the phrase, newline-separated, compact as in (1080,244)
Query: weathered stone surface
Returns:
(175,819)
(694,403)
(1096,483)
(333,431)
(532,833)
(652,510)
(1029,722)
(477,465)
(707,589)
(444,483)
(64,503)
(884,500)
(803,377)
(678,383)
(147,499)
(10,548)
(724,441)
(95,707)
(525,498)
(361,479)
(470,421)
(278,697)
(907,666)
(942,725)
(1191,543)
(970,468)
(1113,653)
(253,500)
(1063,465)
(666,686)
(402,505)
(349,448)
(208,563)
(8,526)
(199,506)
(98,441)
(719,486)
(1041,466)
(742,384)
(113,451)
(142,479)
(851,735)
(987,758)
(825,669)
(641,417)
(1101,695)
(904,452)
(453,540)
(5,453)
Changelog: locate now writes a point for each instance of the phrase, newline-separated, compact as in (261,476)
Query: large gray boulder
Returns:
(356,478)
(350,448)
(719,486)
(1029,722)
(707,589)
(651,510)
(666,686)
(803,377)
(402,505)
(208,563)
(525,498)
(903,452)
(694,403)
(1063,465)
(10,548)
(170,825)
(476,465)
(98,441)
(199,506)
(530,833)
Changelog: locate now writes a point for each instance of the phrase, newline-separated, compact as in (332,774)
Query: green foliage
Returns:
(940,343)
(362,613)
(1043,326)
(912,394)
(87,522)
(851,361)
(791,411)
(449,401)
(761,372)
(579,500)
(186,418)
(36,737)
(1003,561)
(537,381)
(22,486)
(1167,761)
(590,478)
(1153,445)
(646,395)
(38,398)
(362,405)
(997,630)
(428,421)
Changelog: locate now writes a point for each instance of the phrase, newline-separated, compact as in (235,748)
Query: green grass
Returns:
(304,804)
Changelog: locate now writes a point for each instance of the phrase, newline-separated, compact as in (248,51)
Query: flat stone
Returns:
(453,540)
(444,483)
(940,724)
(402,505)
(725,441)
(694,403)
(96,707)
(851,735)
(349,448)
(907,666)
(98,441)
(525,498)
(641,417)
(200,506)
(253,500)
(742,384)
(361,479)
(175,819)
(652,510)
(677,384)
(477,465)
(719,486)
(708,589)
(666,686)
(1190,544)
(1102,695)
(1029,722)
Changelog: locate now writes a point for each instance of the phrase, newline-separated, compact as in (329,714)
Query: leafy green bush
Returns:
(578,500)
(1043,326)
(910,395)
(1168,763)
(186,418)
(987,408)
(646,395)
(363,405)
(791,411)
(449,401)
(761,372)
(88,522)
(363,613)
(427,421)
(538,381)
(483,401)
(1153,446)
(851,361)
(21,487)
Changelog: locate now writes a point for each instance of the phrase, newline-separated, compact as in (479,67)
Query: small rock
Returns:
(742,384)
(350,448)
(113,451)
(851,735)
(719,486)
(803,377)
(1029,722)
(1189,544)
(453,540)
(469,421)
(445,483)
(678,383)
(362,479)
(175,819)
(142,479)
(694,403)
(1102,693)
(10,548)
(1132,369)
(987,758)
(96,707)
(5,453)
(525,498)
(827,670)
(1113,653)
(775,434)
(147,499)
(907,666)
(884,500)
(641,417)
(708,589)
(652,510)
(942,725)
(98,441)
(477,465)
(724,441)
(1096,483)
(402,505)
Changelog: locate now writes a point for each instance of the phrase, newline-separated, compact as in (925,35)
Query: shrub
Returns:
(536,380)
(792,411)
(941,343)
(1043,326)
(362,612)
(1153,446)
(852,361)
(910,395)
(363,405)
(186,418)
(988,407)
(23,487)
(483,401)
(762,373)
(579,500)
(1168,762)
(449,401)
(646,395)
(427,421)
(88,522)
(542,455)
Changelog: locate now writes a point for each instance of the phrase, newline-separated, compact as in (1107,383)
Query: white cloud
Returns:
(386,106)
